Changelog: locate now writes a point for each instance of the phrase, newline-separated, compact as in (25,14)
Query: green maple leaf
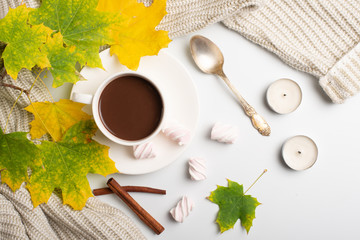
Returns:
(79,24)
(62,60)
(233,205)
(16,154)
(66,163)
(23,41)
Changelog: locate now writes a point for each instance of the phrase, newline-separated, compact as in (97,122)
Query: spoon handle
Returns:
(258,121)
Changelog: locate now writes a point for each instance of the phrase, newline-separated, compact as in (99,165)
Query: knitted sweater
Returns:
(320,37)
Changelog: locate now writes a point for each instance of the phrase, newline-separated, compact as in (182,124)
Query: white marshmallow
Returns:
(177,132)
(197,169)
(224,133)
(182,209)
(144,151)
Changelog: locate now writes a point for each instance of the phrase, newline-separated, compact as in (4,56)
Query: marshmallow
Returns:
(197,169)
(177,133)
(224,133)
(182,209)
(144,150)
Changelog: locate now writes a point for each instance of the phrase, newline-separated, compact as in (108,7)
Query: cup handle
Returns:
(82,97)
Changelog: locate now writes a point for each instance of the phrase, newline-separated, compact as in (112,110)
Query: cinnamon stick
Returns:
(104,191)
(135,207)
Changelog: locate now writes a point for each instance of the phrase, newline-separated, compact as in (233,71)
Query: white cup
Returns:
(94,101)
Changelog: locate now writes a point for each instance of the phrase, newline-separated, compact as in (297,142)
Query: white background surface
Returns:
(319,203)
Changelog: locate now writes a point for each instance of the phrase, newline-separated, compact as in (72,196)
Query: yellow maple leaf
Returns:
(137,38)
(55,118)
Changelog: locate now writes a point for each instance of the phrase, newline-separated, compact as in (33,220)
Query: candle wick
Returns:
(284,94)
(299,152)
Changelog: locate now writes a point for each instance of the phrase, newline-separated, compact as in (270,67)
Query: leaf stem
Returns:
(256,180)
(47,90)
(37,77)
(27,92)
(14,87)
(12,108)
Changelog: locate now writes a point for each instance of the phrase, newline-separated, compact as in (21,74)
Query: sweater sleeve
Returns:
(320,37)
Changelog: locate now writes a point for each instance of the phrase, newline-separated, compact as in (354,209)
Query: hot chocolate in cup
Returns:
(128,108)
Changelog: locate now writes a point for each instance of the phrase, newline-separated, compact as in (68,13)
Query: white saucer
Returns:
(180,96)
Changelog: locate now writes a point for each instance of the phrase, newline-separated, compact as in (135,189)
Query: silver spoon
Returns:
(209,59)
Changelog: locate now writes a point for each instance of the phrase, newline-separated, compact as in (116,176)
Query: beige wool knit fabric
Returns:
(320,37)
(186,16)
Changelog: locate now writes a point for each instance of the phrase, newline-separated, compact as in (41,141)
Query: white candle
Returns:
(300,152)
(284,96)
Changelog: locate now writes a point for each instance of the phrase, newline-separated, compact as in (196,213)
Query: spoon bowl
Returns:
(206,54)
(210,59)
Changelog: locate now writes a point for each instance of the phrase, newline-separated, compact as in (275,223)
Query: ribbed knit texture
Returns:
(18,218)
(185,16)
(343,79)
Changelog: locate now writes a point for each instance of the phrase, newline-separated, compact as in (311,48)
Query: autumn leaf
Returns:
(55,118)
(138,38)
(234,205)
(66,163)
(62,60)
(79,24)
(23,42)
(16,154)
